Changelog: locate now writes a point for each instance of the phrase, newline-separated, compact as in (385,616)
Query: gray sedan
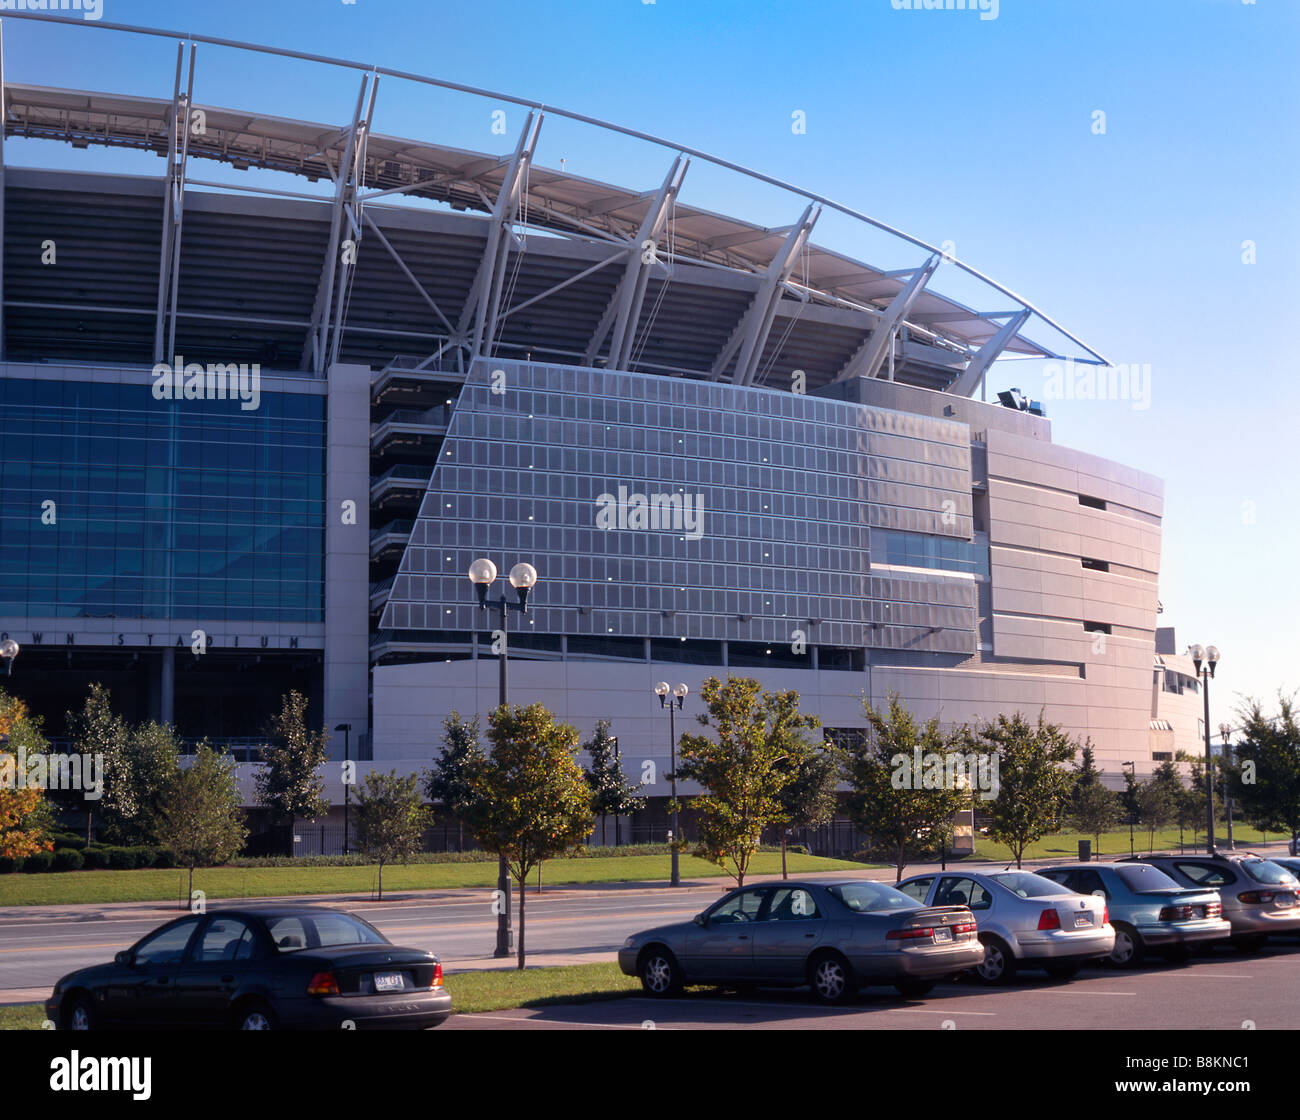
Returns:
(1024,920)
(836,938)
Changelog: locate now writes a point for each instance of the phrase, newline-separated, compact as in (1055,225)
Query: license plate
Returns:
(941,935)
(1084,919)
(389,981)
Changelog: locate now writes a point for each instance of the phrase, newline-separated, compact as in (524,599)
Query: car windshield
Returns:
(1027,885)
(1143,877)
(325,930)
(865,897)
(1266,871)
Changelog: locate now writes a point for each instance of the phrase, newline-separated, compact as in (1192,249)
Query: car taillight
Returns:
(909,934)
(965,927)
(437,975)
(1213,909)
(1049,919)
(1105,915)
(1257,896)
(323,984)
(1176,913)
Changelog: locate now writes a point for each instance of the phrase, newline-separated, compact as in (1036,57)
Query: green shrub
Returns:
(68,840)
(95,858)
(121,859)
(10,864)
(67,859)
(163,858)
(38,862)
(144,856)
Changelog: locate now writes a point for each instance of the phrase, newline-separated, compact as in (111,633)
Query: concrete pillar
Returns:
(347,555)
(167,690)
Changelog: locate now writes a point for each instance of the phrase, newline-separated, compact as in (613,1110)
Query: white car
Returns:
(1024,920)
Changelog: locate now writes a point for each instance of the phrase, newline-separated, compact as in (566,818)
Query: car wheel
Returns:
(79,1015)
(256,1016)
(999,964)
(1063,971)
(831,979)
(1128,951)
(660,975)
(914,989)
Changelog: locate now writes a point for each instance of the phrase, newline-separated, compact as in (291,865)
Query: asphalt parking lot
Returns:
(1225,990)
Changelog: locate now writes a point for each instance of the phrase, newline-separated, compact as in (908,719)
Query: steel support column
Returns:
(973,376)
(872,354)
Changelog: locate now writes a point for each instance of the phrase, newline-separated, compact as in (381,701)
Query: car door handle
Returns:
(743,937)
(810,934)
(163,980)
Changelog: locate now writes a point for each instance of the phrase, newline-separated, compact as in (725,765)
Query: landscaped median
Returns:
(479,990)
(154,885)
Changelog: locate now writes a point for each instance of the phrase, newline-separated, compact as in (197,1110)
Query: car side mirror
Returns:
(124,958)
(701,919)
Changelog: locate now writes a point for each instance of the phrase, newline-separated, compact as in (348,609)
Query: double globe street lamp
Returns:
(523,578)
(8,651)
(1209,657)
(673,704)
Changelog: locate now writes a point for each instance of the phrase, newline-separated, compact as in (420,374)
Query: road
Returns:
(563,926)
(1226,991)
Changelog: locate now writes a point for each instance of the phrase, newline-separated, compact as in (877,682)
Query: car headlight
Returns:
(629,943)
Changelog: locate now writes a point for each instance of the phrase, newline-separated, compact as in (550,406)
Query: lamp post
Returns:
(8,651)
(673,704)
(1131,787)
(1225,733)
(1207,656)
(523,577)
(346,728)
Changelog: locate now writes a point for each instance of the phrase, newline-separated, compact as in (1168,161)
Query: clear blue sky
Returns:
(944,124)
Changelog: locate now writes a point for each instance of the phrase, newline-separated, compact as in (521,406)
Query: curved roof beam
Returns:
(423,79)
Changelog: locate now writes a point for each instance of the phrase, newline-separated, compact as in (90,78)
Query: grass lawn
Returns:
(489,990)
(66,887)
(1065,845)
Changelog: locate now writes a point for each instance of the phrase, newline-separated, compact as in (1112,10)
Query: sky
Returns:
(1130,168)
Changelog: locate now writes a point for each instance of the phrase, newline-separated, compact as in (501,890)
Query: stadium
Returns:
(723,445)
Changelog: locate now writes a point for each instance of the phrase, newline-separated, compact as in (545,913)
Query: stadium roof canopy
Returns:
(787,269)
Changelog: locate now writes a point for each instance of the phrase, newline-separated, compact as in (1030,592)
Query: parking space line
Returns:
(565,1022)
(945,1014)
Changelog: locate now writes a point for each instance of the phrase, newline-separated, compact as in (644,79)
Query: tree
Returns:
(447,782)
(809,801)
(1190,809)
(199,815)
(1034,788)
(97,732)
(758,747)
(391,819)
(152,756)
(26,818)
(1265,774)
(610,791)
(531,801)
(1157,800)
(290,784)
(886,803)
(1093,807)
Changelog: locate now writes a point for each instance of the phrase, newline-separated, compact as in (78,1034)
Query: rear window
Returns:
(866,896)
(1266,871)
(1143,877)
(1027,885)
(321,931)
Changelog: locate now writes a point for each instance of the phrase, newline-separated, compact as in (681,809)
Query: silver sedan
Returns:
(1025,921)
(836,938)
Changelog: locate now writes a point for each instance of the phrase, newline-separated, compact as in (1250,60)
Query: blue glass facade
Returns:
(191,509)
